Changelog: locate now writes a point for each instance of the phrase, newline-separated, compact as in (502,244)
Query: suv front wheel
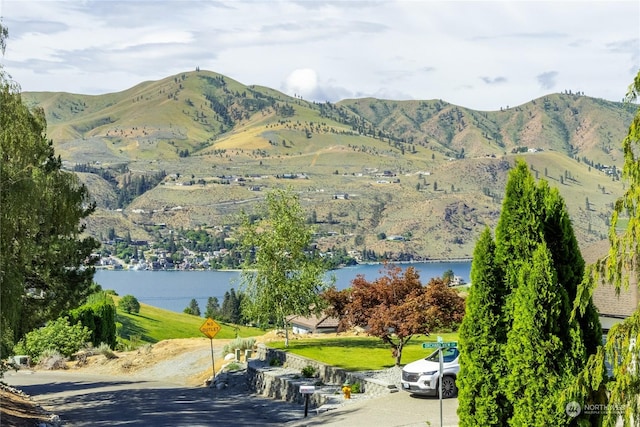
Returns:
(449,388)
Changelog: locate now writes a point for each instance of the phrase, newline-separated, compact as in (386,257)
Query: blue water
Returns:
(174,290)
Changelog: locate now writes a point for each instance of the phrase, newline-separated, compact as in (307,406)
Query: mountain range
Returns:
(413,179)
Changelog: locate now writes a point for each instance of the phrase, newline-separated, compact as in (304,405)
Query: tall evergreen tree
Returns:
(539,367)
(213,308)
(193,308)
(533,216)
(568,262)
(482,332)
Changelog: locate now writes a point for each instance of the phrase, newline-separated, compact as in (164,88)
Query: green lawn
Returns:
(359,353)
(154,324)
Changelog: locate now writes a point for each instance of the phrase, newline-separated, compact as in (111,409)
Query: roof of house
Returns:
(314,321)
(609,303)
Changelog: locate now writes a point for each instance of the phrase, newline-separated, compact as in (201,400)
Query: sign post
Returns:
(440,344)
(210,328)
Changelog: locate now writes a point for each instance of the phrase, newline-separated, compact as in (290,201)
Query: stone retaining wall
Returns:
(277,374)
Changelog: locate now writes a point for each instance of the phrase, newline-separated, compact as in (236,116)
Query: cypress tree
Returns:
(568,262)
(533,277)
(482,333)
(539,368)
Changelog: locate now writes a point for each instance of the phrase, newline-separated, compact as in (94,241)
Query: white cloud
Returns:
(302,82)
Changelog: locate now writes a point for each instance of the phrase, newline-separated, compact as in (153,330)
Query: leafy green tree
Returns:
(129,304)
(193,308)
(481,332)
(281,275)
(46,267)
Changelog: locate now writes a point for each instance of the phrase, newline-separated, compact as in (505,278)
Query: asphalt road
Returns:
(82,400)
(89,400)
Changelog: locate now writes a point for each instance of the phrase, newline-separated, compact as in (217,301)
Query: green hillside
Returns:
(153,324)
(428,171)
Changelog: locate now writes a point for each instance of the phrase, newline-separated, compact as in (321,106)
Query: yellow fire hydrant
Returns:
(346,389)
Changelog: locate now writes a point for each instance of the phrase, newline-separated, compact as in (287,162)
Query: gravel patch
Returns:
(389,376)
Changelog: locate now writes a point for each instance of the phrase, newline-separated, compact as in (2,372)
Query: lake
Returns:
(173,290)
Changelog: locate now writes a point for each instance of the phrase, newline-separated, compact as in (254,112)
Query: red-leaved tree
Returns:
(396,306)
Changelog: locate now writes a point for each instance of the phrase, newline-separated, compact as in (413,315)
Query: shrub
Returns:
(105,350)
(233,366)
(275,362)
(58,335)
(239,343)
(52,359)
(134,342)
(356,388)
(129,304)
(308,371)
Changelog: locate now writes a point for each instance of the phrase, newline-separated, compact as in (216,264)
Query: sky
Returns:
(483,55)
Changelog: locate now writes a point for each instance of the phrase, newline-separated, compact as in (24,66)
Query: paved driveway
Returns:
(395,410)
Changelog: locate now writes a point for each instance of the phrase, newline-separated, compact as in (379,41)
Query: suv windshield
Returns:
(448,355)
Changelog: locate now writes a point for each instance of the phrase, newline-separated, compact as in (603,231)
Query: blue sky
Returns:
(479,54)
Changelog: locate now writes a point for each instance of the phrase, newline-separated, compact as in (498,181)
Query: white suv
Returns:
(421,376)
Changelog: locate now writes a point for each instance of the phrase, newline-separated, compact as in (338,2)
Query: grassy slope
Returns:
(154,324)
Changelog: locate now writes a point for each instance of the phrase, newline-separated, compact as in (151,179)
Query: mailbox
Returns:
(307,389)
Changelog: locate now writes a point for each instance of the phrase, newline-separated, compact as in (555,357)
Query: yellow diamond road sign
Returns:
(210,328)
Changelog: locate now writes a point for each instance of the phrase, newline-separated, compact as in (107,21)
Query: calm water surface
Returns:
(173,290)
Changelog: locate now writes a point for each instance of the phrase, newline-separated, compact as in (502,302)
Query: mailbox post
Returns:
(306,390)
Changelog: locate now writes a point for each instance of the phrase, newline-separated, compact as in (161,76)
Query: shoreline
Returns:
(237,270)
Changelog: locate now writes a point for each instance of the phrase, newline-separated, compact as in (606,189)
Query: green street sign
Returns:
(439,344)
